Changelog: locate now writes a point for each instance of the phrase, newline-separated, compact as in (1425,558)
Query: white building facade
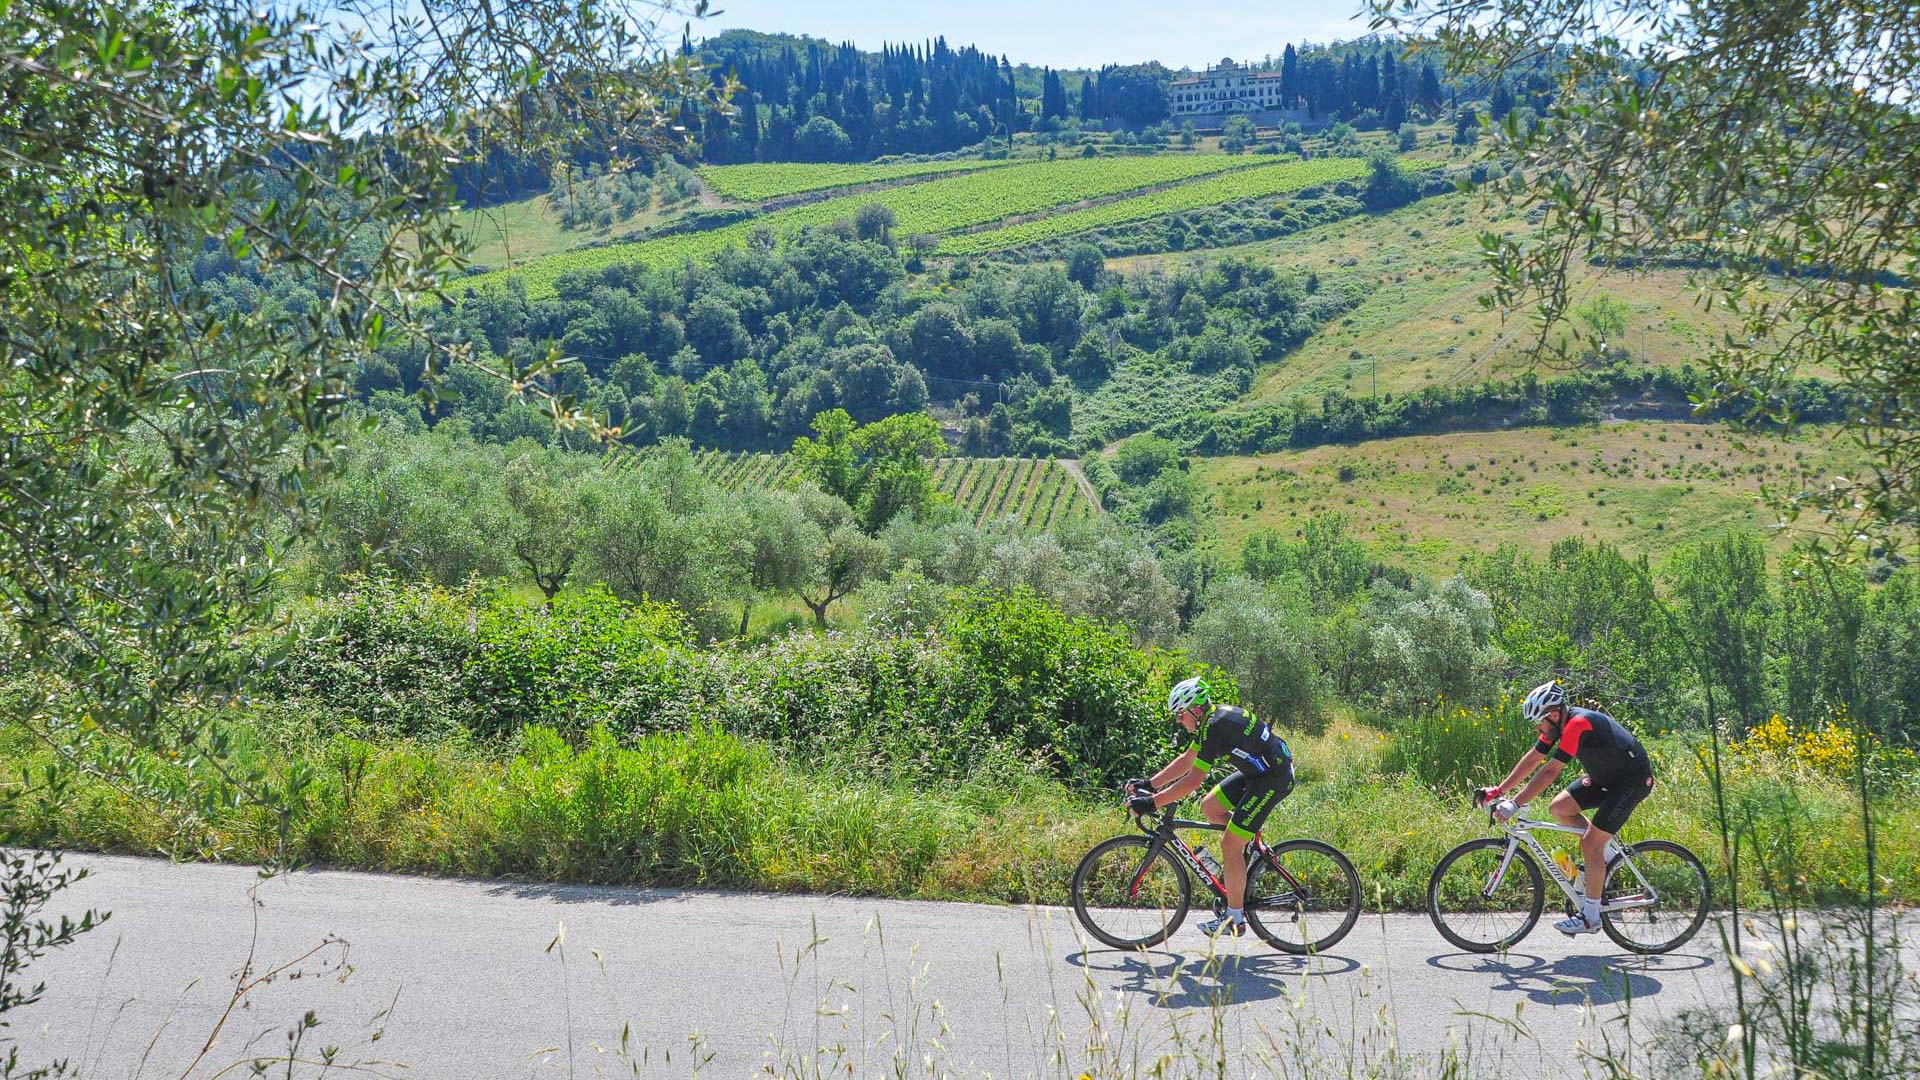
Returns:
(1231,90)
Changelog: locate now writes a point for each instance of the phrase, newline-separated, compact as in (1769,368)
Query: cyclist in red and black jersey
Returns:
(1618,776)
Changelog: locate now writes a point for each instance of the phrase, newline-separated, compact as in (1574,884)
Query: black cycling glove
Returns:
(1142,804)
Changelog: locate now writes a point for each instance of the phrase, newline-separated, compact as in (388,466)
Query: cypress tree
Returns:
(1090,99)
(1502,103)
(1429,86)
(1053,98)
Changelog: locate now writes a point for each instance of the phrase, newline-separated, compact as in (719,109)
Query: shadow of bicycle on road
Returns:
(1173,980)
(1574,980)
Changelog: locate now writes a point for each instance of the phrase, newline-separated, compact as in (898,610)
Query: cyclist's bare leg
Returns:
(1593,842)
(1593,846)
(1566,811)
(1233,850)
(1213,809)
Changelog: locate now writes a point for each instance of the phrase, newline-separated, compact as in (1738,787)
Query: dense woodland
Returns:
(804,100)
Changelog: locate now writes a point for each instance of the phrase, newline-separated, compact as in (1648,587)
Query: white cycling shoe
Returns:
(1577,924)
(1223,926)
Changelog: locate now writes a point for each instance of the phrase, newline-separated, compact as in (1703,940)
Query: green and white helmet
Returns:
(1188,693)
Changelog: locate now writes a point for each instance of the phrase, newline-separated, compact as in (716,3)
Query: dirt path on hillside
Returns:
(1086,486)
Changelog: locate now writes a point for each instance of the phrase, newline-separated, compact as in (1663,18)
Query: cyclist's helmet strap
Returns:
(1188,693)
(1546,696)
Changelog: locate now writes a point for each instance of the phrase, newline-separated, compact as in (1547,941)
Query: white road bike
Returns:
(1487,894)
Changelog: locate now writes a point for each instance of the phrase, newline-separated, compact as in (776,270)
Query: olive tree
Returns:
(149,428)
(1264,636)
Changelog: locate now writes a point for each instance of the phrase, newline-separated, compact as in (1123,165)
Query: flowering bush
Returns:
(1828,749)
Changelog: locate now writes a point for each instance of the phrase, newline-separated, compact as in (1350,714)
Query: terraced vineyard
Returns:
(1034,493)
(773,180)
(744,471)
(936,206)
(1248,184)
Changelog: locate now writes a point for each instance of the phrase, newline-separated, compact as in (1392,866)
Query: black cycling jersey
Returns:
(1234,736)
(1607,751)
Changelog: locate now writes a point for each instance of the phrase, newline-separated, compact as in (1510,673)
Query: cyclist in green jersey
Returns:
(1263,775)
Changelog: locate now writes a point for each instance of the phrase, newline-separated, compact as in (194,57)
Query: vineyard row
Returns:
(1034,493)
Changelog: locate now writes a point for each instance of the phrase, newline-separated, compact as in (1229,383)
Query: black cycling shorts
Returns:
(1251,798)
(1614,799)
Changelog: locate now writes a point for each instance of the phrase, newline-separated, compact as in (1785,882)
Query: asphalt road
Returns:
(435,978)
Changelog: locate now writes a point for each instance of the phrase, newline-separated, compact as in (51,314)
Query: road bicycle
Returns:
(1133,892)
(1487,894)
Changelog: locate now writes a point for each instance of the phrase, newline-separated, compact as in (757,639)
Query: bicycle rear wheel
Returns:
(1476,913)
(1672,884)
(1130,894)
(1303,899)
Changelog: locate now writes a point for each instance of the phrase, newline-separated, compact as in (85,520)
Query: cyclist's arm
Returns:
(1546,776)
(1529,761)
(1181,788)
(1176,768)
(1207,748)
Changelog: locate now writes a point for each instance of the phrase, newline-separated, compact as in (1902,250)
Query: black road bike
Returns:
(1134,891)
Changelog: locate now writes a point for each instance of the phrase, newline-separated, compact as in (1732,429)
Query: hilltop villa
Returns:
(1231,90)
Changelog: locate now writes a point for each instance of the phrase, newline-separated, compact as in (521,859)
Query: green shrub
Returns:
(421,660)
(994,676)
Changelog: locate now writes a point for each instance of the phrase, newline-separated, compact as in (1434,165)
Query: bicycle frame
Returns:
(1166,834)
(1520,831)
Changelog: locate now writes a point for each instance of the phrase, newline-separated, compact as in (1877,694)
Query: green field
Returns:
(1421,322)
(1252,183)
(1428,500)
(936,206)
(1034,493)
(775,179)
(516,233)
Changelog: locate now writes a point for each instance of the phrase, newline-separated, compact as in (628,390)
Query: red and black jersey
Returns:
(1607,751)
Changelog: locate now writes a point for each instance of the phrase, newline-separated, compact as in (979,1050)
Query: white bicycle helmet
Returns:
(1548,695)
(1188,693)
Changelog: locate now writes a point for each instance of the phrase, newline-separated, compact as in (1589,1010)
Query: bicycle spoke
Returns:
(1126,898)
(1305,896)
(1482,897)
(1656,897)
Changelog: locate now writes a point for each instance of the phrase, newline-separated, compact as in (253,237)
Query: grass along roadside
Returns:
(704,808)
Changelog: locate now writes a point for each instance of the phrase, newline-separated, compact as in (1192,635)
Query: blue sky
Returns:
(1190,32)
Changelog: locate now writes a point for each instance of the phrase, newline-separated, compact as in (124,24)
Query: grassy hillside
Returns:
(1253,183)
(1648,486)
(775,179)
(1421,323)
(940,205)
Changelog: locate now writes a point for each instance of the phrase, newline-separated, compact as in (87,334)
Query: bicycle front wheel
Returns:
(1130,893)
(1657,897)
(1479,907)
(1303,899)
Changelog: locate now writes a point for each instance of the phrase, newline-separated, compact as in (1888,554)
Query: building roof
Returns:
(1218,73)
